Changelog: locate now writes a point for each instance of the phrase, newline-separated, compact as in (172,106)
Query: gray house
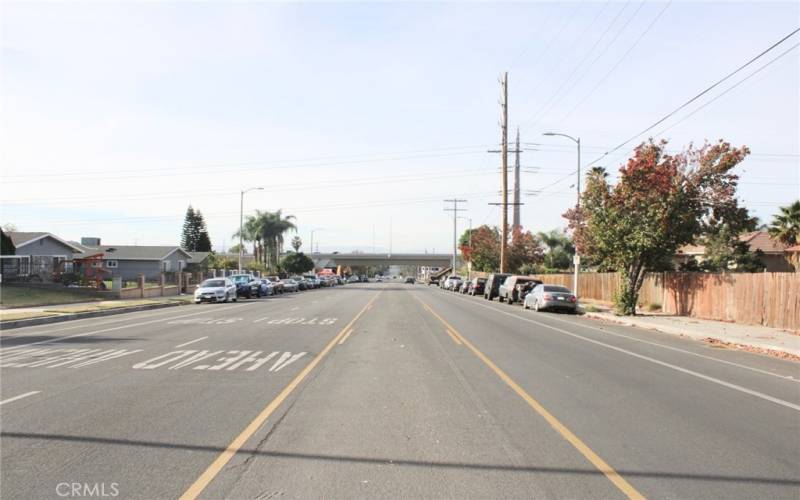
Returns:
(128,262)
(40,253)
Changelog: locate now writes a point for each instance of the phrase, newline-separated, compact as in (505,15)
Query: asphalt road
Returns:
(387,390)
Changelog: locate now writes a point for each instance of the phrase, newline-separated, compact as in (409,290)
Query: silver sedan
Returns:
(551,297)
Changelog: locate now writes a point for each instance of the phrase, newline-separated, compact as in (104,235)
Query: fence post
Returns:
(179,279)
(161,280)
(141,285)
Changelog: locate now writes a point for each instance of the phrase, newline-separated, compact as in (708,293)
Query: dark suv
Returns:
(493,283)
(246,285)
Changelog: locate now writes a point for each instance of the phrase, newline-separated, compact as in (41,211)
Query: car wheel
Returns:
(500,298)
(226,298)
(536,305)
(525,304)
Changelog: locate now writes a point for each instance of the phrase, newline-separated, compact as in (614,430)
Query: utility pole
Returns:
(455,211)
(516,218)
(504,145)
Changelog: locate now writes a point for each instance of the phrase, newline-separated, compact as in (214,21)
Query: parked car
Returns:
(267,287)
(312,280)
(290,285)
(551,297)
(464,288)
(512,288)
(301,283)
(476,286)
(492,285)
(353,279)
(215,290)
(276,282)
(451,282)
(410,280)
(247,285)
(433,281)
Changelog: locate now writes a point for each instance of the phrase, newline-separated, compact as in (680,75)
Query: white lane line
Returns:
(656,344)
(15,398)
(295,308)
(259,320)
(714,380)
(60,339)
(191,342)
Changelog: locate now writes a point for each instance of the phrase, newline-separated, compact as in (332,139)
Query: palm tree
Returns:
(785,226)
(270,227)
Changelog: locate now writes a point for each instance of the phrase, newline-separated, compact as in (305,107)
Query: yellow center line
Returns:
(211,472)
(454,336)
(601,465)
(346,335)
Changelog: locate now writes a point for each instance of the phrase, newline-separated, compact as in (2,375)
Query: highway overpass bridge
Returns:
(379,259)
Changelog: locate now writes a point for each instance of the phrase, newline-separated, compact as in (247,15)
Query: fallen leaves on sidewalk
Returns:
(758,350)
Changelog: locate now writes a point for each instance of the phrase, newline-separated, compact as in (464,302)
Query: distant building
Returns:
(776,256)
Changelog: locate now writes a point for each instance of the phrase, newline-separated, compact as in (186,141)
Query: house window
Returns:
(111,263)
(97,263)
(166,266)
(181,265)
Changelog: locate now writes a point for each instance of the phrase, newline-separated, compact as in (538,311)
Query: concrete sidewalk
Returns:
(755,338)
(30,316)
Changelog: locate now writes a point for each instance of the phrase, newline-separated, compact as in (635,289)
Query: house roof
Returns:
(130,252)
(197,257)
(761,240)
(20,238)
(793,249)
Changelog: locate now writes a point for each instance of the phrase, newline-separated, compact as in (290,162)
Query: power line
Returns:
(83,176)
(560,91)
(730,88)
(696,97)
(619,61)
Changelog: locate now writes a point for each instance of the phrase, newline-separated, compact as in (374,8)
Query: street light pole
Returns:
(241,223)
(576,261)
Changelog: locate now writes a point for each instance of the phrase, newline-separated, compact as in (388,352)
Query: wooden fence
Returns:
(769,299)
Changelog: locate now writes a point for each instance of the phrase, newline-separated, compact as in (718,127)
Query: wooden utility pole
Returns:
(516,218)
(504,145)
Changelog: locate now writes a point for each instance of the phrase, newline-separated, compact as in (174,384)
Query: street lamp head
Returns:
(549,133)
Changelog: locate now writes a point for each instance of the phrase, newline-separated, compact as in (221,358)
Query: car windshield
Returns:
(552,288)
(212,283)
(240,279)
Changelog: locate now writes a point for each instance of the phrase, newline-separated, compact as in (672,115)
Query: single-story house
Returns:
(40,253)
(776,256)
(129,261)
(199,260)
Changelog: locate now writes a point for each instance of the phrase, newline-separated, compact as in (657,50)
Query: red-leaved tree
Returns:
(660,202)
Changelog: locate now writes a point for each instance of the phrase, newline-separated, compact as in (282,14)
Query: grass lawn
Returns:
(18,296)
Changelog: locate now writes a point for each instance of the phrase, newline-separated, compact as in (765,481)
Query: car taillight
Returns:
(572,298)
(547,296)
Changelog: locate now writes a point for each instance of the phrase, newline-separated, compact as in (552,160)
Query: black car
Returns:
(410,280)
(493,283)
(247,285)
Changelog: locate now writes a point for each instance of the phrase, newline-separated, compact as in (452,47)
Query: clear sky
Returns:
(115,117)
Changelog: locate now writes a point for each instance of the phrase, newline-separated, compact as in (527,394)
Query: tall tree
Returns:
(189,233)
(203,239)
(659,203)
(559,251)
(297,263)
(8,247)
(194,237)
(525,249)
(484,253)
(785,226)
(297,243)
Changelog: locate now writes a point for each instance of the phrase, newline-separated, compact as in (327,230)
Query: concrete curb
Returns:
(621,320)
(20,323)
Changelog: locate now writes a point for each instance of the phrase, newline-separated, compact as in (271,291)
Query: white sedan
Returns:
(215,290)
